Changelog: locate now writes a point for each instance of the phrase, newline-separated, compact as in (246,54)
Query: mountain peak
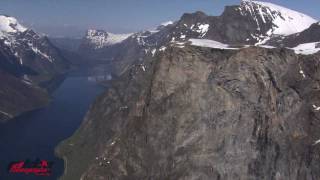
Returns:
(285,21)
(10,25)
(101,38)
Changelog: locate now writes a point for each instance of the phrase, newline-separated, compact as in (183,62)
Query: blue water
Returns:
(36,134)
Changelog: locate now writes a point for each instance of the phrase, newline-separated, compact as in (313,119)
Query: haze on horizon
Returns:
(73,17)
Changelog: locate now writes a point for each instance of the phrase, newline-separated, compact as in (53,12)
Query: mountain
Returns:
(250,23)
(283,21)
(99,46)
(207,97)
(10,25)
(32,51)
(98,38)
(28,61)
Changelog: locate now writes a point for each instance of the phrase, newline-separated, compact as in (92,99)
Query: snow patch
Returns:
(316,142)
(162,48)
(209,43)
(316,108)
(203,29)
(179,44)
(143,68)
(167,23)
(302,73)
(44,55)
(153,52)
(307,48)
(182,36)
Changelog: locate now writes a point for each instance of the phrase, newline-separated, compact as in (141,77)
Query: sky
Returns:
(74,17)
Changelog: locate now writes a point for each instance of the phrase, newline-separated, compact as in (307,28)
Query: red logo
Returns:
(38,168)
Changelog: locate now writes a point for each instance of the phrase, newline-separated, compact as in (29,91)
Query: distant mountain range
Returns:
(250,23)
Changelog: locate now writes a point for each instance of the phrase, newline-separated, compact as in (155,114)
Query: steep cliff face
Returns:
(201,113)
(18,96)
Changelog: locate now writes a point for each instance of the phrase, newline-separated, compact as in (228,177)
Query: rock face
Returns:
(18,97)
(201,113)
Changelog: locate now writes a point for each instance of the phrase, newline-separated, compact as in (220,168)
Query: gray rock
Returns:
(200,113)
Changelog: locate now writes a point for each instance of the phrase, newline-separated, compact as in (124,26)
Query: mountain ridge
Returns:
(249,23)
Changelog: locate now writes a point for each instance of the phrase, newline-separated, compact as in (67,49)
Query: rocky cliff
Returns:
(202,113)
(18,97)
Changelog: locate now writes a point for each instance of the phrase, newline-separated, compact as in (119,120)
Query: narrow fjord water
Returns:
(36,134)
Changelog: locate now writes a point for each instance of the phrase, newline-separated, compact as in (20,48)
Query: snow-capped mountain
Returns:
(32,52)
(10,25)
(272,19)
(99,38)
(284,21)
(249,23)
(26,54)
(29,63)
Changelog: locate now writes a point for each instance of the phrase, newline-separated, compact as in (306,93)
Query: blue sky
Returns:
(73,17)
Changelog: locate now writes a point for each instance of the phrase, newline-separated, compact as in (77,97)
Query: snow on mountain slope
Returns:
(307,48)
(209,43)
(304,49)
(101,38)
(10,25)
(167,23)
(285,21)
(25,44)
